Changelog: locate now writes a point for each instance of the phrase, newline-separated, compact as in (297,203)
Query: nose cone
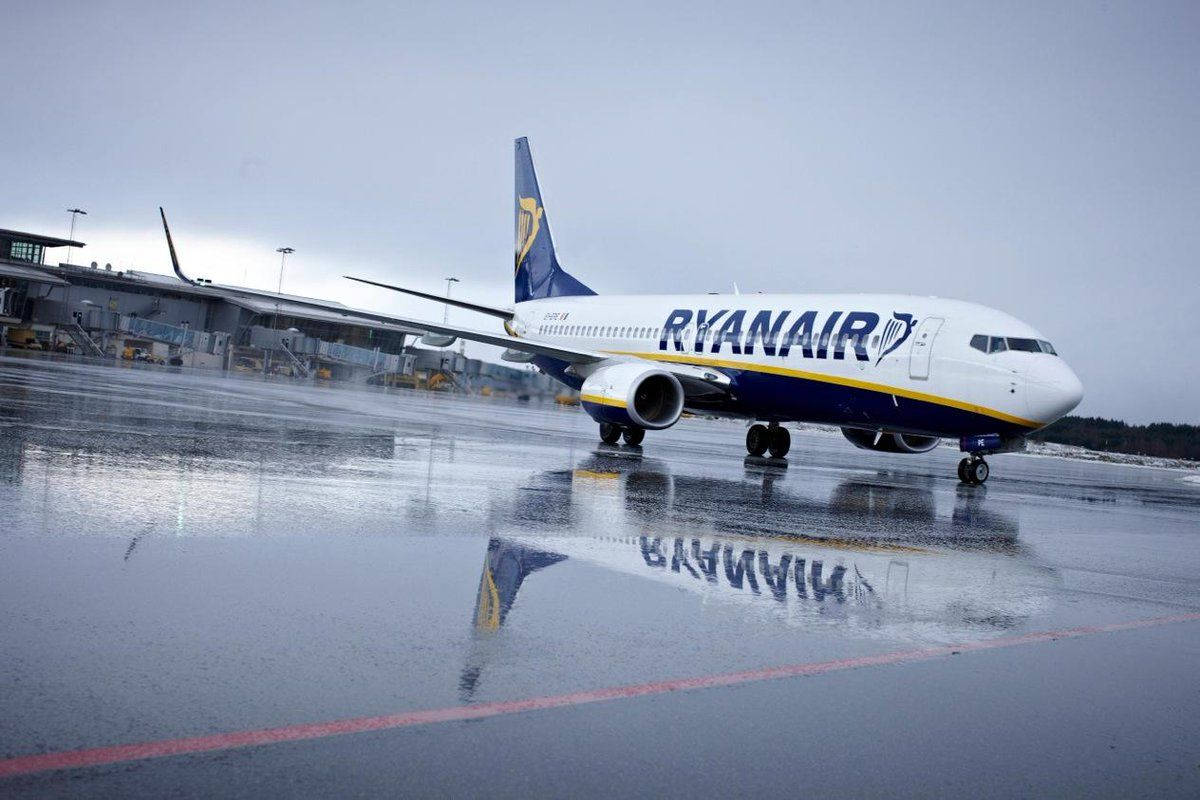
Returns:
(1052,390)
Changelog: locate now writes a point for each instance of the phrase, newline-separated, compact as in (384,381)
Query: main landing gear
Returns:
(610,432)
(973,471)
(773,438)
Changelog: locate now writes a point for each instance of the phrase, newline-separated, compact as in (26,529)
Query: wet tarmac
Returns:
(187,558)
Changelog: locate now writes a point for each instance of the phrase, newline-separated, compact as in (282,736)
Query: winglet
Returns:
(171,247)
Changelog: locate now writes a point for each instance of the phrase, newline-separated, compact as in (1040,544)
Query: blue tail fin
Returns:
(538,274)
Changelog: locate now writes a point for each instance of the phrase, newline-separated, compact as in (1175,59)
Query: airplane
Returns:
(897,373)
(865,363)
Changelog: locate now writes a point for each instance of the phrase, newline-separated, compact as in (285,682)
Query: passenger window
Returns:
(980,342)
(875,342)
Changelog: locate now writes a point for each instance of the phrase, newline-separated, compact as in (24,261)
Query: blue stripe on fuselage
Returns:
(785,398)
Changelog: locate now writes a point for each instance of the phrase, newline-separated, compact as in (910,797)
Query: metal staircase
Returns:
(84,342)
(300,367)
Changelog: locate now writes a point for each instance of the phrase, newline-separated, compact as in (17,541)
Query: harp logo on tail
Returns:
(529,222)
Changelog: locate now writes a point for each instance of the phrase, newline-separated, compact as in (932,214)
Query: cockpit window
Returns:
(998,344)
(1024,345)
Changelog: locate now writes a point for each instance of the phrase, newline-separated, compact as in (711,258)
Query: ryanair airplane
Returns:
(896,373)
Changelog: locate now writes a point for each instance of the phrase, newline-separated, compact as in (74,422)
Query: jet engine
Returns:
(632,393)
(885,442)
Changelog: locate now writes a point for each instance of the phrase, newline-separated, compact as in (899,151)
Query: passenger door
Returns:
(922,347)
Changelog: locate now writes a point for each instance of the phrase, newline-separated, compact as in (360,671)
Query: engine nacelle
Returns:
(438,340)
(633,394)
(884,442)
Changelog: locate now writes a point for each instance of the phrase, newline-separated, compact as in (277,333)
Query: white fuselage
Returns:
(833,358)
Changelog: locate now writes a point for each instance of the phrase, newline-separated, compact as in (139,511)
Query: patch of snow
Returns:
(1054,450)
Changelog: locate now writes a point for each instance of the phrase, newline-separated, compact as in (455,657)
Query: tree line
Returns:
(1162,439)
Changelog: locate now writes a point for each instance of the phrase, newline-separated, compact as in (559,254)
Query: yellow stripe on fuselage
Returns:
(603,401)
(705,361)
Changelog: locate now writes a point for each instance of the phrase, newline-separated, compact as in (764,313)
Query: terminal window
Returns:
(25,251)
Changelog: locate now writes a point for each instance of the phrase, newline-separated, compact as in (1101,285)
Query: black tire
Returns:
(633,436)
(609,432)
(757,439)
(962,470)
(979,472)
(779,441)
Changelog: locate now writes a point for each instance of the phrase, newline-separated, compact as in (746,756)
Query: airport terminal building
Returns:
(101,312)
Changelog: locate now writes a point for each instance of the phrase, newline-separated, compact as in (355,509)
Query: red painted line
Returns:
(98,756)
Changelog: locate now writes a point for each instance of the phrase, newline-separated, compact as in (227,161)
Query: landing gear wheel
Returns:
(779,441)
(634,436)
(609,432)
(973,471)
(757,439)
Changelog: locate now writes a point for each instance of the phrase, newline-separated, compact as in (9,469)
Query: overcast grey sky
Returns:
(1040,158)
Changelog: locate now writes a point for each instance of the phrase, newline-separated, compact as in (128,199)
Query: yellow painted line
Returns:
(602,401)
(911,394)
(591,473)
(868,546)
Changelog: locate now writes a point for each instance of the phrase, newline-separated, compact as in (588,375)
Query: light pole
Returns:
(446,311)
(74,212)
(283,254)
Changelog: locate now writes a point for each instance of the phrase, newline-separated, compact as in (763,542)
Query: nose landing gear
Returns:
(973,471)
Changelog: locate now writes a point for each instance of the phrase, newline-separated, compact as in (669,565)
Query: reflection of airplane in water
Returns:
(880,558)
(505,567)
(860,510)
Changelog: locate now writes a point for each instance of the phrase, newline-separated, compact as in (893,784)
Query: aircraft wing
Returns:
(695,380)
(569,354)
(503,313)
